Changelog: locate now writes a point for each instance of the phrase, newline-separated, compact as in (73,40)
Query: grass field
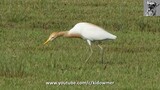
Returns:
(131,61)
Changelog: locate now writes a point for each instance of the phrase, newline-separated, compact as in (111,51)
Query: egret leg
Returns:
(89,54)
(101,52)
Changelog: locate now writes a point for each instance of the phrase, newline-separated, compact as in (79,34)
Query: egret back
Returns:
(91,32)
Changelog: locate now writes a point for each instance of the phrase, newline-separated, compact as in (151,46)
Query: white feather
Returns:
(91,32)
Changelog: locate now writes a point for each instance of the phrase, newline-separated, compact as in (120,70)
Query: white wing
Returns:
(91,32)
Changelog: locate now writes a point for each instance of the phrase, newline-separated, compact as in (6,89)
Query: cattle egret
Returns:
(87,31)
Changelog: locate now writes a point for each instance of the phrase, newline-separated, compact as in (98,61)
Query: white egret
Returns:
(87,31)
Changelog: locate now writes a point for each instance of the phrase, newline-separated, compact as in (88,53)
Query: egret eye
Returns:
(52,38)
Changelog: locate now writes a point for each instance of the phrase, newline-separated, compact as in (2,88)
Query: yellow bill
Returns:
(46,42)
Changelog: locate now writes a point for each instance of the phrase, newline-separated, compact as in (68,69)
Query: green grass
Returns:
(131,61)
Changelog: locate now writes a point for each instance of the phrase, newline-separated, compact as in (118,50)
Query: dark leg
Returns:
(89,54)
(101,52)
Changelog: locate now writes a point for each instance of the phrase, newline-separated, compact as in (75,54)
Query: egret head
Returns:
(52,37)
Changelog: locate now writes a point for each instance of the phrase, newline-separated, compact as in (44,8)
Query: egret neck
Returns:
(69,35)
